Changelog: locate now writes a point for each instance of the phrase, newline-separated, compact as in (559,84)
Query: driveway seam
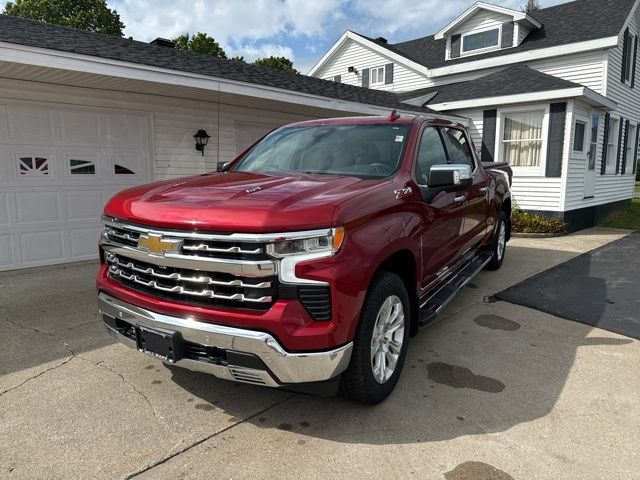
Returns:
(195,444)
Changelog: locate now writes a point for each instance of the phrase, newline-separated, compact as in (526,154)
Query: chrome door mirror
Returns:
(450,177)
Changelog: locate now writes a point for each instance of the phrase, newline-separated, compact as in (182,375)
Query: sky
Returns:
(302,30)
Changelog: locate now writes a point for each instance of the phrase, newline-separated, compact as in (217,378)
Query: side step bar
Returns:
(440,296)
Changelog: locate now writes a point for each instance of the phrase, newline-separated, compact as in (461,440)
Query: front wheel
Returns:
(380,345)
(499,244)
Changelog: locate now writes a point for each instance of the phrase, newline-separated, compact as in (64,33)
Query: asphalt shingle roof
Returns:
(562,24)
(513,80)
(38,34)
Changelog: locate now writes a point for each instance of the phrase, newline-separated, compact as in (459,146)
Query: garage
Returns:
(58,166)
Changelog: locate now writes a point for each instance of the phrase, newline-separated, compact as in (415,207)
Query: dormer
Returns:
(484,28)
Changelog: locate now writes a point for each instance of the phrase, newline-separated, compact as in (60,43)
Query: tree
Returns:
(199,43)
(90,15)
(531,6)
(281,63)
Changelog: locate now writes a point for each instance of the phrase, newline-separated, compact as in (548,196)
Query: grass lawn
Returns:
(638,187)
(629,219)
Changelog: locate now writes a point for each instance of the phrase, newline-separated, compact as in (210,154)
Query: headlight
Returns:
(328,242)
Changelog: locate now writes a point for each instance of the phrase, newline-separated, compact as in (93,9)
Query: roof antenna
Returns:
(393,115)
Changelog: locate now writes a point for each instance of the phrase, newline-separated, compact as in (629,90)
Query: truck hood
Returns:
(239,201)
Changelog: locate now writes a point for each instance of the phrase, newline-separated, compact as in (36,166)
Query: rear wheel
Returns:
(380,345)
(499,244)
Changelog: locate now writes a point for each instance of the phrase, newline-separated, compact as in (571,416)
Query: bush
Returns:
(523,222)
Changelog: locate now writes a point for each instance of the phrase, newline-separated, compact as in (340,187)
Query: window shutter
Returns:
(488,135)
(623,164)
(635,150)
(555,143)
(337,78)
(455,46)
(620,146)
(507,35)
(603,165)
(635,60)
(365,77)
(388,73)
(624,55)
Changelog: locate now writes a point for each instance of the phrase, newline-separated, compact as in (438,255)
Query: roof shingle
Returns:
(563,24)
(38,34)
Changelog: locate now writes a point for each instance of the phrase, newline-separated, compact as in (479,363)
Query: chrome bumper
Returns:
(283,367)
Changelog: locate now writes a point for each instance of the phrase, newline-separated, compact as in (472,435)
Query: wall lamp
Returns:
(202,138)
(353,70)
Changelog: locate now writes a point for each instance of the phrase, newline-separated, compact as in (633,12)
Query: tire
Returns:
(499,243)
(359,382)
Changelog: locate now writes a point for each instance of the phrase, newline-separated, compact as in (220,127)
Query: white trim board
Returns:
(588,95)
(43,57)
(519,57)
(515,14)
(349,35)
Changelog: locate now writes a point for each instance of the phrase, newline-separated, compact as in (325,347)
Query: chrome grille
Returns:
(207,270)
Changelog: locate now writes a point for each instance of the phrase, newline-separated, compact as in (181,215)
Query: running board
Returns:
(438,298)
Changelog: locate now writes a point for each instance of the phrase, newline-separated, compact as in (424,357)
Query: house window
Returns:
(481,40)
(612,146)
(630,142)
(377,76)
(578,138)
(628,56)
(522,138)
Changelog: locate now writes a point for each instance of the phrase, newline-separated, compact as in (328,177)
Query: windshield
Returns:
(365,151)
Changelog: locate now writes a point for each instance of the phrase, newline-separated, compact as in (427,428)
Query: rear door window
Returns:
(459,147)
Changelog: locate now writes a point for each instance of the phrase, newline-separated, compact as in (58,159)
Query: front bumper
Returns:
(260,358)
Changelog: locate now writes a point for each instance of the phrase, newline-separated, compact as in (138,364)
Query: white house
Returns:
(84,115)
(553,93)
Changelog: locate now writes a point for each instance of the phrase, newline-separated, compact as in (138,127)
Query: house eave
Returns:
(47,58)
(583,93)
(529,55)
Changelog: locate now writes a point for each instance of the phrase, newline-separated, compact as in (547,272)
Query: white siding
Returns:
(173,122)
(529,192)
(482,20)
(584,68)
(522,32)
(609,188)
(354,54)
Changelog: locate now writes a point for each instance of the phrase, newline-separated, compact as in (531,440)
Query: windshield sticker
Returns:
(399,138)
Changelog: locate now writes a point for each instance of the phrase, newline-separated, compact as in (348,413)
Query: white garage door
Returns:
(58,167)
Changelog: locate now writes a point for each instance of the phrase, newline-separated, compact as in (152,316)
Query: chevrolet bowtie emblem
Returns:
(157,245)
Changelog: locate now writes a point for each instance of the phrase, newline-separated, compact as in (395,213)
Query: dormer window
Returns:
(473,42)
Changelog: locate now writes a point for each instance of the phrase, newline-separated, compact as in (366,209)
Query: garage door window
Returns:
(120,170)
(82,167)
(33,166)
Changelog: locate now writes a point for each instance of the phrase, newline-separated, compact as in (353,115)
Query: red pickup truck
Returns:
(308,261)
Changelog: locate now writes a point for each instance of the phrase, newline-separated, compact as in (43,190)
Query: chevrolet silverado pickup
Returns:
(309,261)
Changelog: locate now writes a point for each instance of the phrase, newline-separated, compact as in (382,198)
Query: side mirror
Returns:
(223,166)
(450,177)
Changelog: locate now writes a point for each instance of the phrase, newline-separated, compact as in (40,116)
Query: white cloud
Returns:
(252,52)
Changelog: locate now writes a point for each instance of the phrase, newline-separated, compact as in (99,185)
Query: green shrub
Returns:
(523,222)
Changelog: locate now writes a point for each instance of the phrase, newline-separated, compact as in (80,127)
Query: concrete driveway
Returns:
(491,391)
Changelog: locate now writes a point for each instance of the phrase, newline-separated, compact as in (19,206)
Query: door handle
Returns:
(484,189)
(460,199)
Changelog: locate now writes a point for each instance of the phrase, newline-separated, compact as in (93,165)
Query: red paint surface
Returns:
(378,225)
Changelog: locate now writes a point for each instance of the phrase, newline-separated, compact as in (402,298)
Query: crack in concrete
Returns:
(134,387)
(37,375)
(166,458)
